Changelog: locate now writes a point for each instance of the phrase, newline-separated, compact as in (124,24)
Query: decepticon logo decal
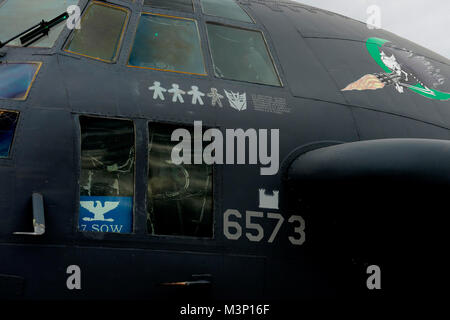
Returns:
(237,101)
(401,70)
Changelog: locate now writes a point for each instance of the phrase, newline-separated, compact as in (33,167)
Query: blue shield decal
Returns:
(106,214)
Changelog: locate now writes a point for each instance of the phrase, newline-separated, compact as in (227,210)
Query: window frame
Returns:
(121,39)
(78,142)
(166,70)
(214,183)
(139,237)
(274,64)
(39,65)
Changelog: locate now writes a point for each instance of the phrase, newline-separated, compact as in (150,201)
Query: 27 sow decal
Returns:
(106,214)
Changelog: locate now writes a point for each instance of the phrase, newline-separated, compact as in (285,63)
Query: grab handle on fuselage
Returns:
(38,216)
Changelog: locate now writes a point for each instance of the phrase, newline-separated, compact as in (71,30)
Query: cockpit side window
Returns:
(179,200)
(107,175)
(177,5)
(8,123)
(225,9)
(19,15)
(101,32)
(168,44)
(250,61)
(16,79)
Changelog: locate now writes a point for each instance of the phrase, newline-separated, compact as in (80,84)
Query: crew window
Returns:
(101,32)
(225,9)
(107,175)
(16,79)
(179,5)
(8,123)
(17,16)
(168,44)
(250,60)
(179,200)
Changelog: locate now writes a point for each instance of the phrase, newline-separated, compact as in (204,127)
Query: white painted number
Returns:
(227,224)
(300,230)
(255,232)
(249,225)
(277,227)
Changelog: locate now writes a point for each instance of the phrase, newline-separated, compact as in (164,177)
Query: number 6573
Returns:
(232,229)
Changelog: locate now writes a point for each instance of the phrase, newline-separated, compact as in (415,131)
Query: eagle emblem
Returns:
(98,210)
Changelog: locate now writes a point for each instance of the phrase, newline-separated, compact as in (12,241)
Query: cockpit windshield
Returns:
(178,5)
(250,60)
(225,9)
(101,32)
(167,43)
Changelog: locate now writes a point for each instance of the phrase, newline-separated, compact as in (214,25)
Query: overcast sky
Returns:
(425,22)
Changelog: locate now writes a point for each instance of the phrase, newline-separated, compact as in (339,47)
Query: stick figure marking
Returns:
(158,90)
(196,95)
(177,92)
(215,97)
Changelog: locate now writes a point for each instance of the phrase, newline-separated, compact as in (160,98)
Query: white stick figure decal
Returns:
(158,90)
(236,100)
(177,92)
(196,95)
(215,97)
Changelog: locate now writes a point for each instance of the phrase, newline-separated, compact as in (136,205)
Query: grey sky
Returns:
(425,22)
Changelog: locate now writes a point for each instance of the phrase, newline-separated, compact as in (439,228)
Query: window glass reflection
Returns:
(225,9)
(101,32)
(16,79)
(179,198)
(8,123)
(180,5)
(250,60)
(167,43)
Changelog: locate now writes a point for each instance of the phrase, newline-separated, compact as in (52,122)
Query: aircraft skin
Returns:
(316,54)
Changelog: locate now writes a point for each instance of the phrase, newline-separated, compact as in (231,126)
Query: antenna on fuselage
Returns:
(37,31)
